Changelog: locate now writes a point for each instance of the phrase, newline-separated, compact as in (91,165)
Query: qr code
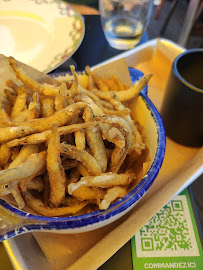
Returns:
(169,233)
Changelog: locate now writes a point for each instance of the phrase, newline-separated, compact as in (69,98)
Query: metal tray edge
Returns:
(150,43)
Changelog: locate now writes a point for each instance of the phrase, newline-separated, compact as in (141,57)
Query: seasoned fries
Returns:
(66,145)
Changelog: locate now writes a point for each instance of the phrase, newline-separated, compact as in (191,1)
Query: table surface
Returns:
(93,50)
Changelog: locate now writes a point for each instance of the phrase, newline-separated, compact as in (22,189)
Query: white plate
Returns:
(40,33)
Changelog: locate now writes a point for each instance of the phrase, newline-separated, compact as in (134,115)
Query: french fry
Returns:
(55,170)
(104,180)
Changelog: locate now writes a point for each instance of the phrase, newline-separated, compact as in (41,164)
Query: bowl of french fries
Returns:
(78,150)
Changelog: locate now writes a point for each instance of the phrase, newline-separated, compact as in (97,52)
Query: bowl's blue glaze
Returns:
(98,218)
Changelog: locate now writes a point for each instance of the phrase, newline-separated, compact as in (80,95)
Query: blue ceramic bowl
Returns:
(148,116)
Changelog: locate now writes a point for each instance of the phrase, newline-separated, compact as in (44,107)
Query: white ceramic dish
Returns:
(14,221)
(42,34)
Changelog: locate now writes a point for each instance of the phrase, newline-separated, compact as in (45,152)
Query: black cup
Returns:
(182,107)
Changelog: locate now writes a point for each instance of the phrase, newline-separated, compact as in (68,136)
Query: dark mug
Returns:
(182,107)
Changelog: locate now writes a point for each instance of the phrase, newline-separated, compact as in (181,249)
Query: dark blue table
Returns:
(94,48)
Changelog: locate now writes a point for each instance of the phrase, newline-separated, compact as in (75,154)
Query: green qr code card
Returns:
(170,239)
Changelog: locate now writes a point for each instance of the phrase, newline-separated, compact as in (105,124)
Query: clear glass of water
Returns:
(125,21)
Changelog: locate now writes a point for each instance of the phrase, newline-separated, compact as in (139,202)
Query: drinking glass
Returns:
(124,21)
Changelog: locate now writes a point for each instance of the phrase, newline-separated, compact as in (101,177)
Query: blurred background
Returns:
(174,25)
(167,19)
